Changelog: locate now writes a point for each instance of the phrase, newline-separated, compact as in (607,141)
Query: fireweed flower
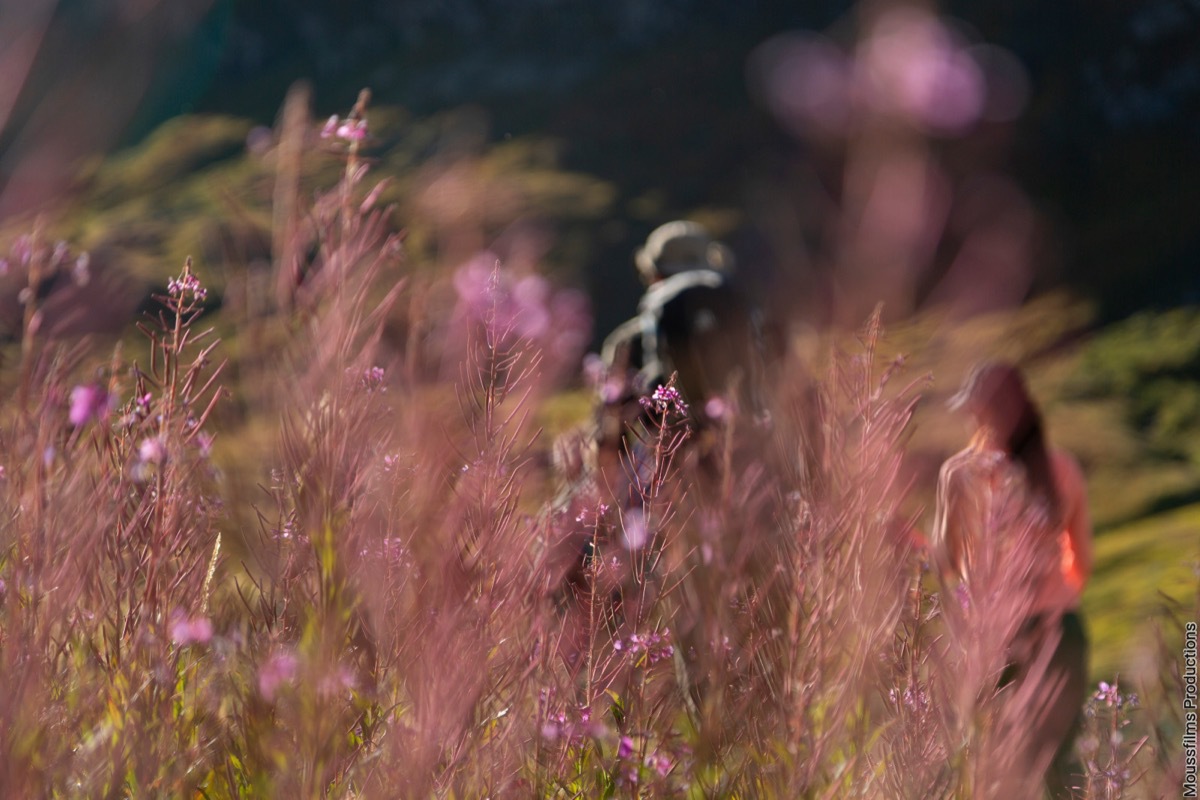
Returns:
(353,130)
(914,65)
(594,371)
(338,682)
(1110,695)
(279,669)
(373,379)
(592,516)
(186,284)
(666,400)
(349,129)
(625,747)
(152,451)
(526,308)
(655,647)
(190,630)
(88,402)
(659,763)
(913,698)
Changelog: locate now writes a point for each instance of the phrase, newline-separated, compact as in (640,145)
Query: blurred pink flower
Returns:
(530,296)
(152,450)
(529,308)
(659,763)
(593,370)
(633,530)
(716,408)
(278,670)
(353,130)
(806,82)
(477,284)
(194,630)
(187,284)
(88,402)
(914,65)
(374,379)
(625,748)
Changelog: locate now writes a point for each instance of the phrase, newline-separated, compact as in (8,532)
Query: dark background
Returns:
(653,96)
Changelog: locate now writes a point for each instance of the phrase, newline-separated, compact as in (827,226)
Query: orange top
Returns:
(1075,540)
(970,487)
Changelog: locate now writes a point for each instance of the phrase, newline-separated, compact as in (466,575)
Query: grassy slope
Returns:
(1136,564)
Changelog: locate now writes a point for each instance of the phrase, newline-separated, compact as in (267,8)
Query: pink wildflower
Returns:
(330,128)
(625,748)
(279,669)
(353,130)
(185,630)
(666,399)
(152,451)
(88,402)
(187,284)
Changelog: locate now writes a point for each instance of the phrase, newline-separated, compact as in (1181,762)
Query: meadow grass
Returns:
(336,557)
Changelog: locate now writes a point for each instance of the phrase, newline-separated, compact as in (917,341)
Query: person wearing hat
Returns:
(1031,499)
(690,323)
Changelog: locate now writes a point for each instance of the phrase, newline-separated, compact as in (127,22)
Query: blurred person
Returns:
(691,360)
(692,323)
(1009,456)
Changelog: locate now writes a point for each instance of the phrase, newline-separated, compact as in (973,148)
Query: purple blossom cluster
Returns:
(187,630)
(655,647)
(373,379)
(27,253)
(914,699)
(625,747)
(278,670)
(1110,695)
(152,450)
(592,515)
(559,725)
(666,400)
(660,763)
(348,130)
(89,402)
(526,308)
(187,284)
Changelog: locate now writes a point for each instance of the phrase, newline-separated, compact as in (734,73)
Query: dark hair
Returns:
(996,394)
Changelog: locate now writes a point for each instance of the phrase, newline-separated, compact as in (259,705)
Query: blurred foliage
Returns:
(1140,567)
(1150,361)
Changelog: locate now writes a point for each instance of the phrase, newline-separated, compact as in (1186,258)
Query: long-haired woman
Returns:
(1012,522)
